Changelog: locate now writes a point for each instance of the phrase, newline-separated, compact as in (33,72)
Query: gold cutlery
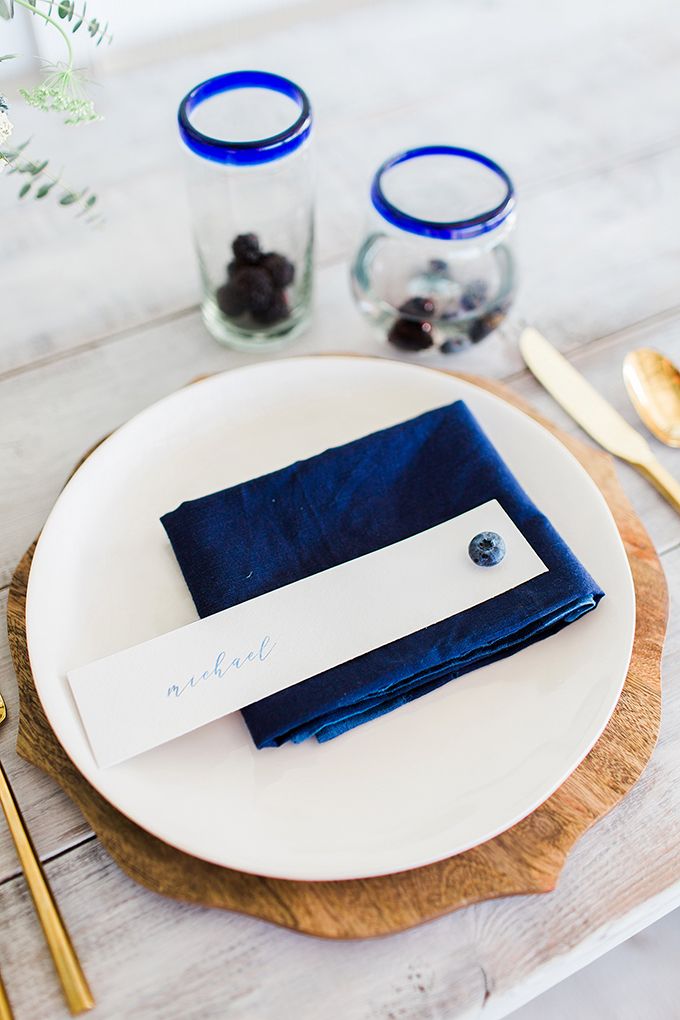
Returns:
(5,1008)
(653,384)
(73,981)
(592,412)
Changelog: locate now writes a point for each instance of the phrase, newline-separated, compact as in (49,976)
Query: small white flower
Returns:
(6,127)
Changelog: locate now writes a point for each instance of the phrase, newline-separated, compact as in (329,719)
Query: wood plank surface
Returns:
(597,146)
(55,822)
(149,957)
(76,400)
(581,103)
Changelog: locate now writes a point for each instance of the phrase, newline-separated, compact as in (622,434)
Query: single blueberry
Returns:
(246,249)
(417,308)
(486,549)
(254,288)
(481,327)
(281,270)
(438,267)
(408,335)
(230,301)
(276,310)
(452,345)
(474,295)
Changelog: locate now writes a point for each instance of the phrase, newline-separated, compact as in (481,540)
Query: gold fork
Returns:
(5,1008)
(73,981)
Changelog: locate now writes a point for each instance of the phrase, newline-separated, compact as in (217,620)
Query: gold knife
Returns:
(592,412)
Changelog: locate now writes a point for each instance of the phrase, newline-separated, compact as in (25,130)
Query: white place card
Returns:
(144,696)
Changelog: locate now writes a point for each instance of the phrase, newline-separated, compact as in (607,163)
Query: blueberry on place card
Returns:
(486,549)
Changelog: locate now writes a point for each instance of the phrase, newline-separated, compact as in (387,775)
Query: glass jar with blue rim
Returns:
(435,268)
(247,135)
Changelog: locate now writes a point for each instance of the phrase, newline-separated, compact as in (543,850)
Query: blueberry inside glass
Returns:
(436,269)
(256,283)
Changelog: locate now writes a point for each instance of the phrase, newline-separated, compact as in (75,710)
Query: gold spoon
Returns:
(653,384)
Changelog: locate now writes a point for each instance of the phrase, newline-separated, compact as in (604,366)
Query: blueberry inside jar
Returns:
(435,270)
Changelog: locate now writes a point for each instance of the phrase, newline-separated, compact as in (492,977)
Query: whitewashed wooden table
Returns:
(580,103)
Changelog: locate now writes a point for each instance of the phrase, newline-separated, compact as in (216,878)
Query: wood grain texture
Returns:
(595,145)
(526,859)
(74,401)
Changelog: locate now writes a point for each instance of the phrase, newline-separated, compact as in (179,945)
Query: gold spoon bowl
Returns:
(653,385)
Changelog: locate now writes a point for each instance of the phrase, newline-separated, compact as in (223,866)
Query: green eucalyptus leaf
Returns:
(45,189)
(65,9)
(7,9)
(81,17)
(37,168)
(24,190)
(8,56)
(69,198)
(92,26)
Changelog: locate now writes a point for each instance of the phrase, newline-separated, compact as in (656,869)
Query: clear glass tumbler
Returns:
(247,136)
(435,267)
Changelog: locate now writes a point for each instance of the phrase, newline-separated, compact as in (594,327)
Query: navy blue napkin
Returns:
(351,500)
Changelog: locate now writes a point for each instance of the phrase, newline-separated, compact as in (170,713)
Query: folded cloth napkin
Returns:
(351,500)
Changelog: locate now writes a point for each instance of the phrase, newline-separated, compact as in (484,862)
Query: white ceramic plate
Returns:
(429,780)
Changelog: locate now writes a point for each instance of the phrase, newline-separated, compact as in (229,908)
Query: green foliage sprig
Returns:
(62,90)
(40,182)
(67,12)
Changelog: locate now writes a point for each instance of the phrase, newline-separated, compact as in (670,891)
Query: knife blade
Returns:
(593,413)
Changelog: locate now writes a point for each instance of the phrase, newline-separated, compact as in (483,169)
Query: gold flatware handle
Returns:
(5,1008)
(74,983)
(662,480)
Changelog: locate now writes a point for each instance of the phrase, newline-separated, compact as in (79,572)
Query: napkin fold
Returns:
(254,537)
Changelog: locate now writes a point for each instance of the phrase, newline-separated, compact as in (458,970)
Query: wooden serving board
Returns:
(527,858)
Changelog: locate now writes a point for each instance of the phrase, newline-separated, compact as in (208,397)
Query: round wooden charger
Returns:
(527,858)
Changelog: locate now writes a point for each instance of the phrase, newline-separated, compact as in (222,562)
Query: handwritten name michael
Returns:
(222,667)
